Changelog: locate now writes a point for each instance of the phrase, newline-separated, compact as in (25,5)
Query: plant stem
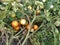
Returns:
(27,36)
(19,32)
(54,35)
(7,43)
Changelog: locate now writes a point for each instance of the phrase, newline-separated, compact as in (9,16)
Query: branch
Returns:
(27,36)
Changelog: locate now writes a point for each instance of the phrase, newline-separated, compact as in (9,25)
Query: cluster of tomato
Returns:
(16,25)
(37,11)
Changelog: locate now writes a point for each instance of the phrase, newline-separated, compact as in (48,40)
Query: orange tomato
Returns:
(28,26)
(35,27)
(17,28)
(14,23)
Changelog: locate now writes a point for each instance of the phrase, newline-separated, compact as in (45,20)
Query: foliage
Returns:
(47,19)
